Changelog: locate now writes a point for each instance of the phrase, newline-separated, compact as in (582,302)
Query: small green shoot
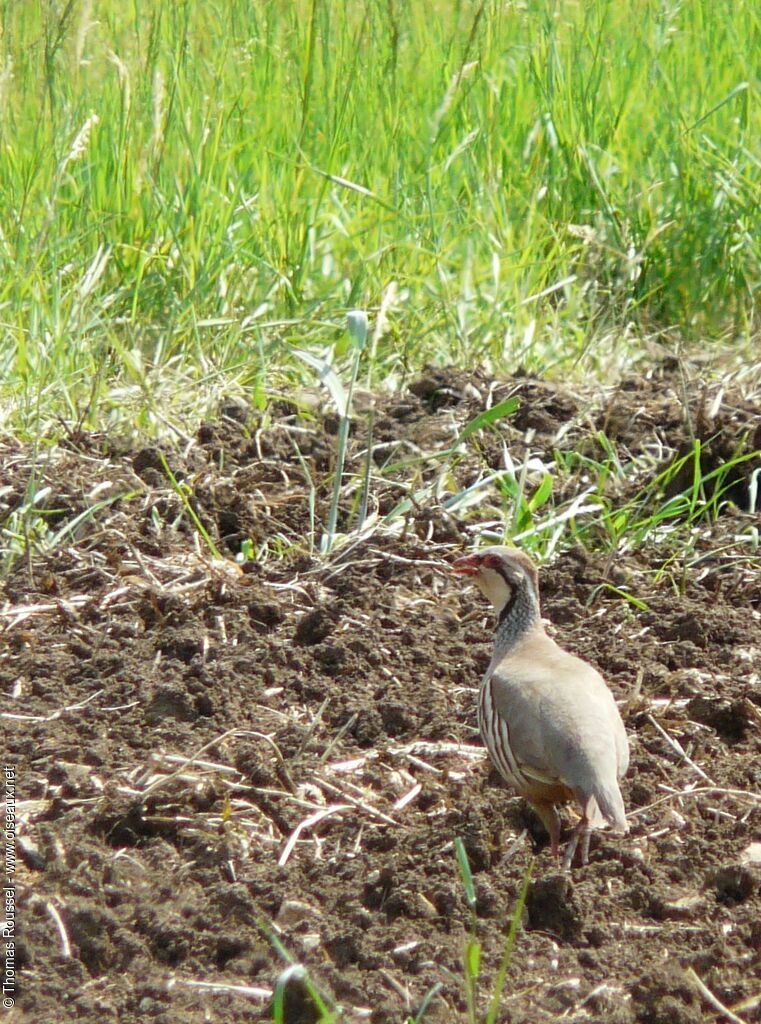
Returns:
(473,950)
(295,973)
(247,551)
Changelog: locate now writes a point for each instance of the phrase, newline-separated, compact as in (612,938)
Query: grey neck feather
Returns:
(516,618)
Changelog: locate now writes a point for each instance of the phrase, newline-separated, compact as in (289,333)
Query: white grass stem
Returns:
(709,997)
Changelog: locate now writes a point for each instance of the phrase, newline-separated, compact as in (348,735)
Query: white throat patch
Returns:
(493,585)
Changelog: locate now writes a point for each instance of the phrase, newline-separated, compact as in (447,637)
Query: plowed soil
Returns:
(221,764)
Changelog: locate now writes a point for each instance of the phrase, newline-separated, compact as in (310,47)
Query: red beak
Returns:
(468,565)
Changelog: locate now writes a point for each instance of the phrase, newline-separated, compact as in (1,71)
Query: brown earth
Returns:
(213,760)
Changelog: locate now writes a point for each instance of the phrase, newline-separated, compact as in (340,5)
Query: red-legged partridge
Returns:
(548,719)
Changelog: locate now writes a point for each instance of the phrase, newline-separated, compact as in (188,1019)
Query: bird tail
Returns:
(605,806)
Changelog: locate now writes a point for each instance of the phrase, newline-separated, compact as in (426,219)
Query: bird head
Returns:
(500,574)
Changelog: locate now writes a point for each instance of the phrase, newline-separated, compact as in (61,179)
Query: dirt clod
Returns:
(554,906)
(666,995)
(315,626)
(734,883)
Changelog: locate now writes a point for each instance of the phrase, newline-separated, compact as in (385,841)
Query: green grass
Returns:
(190,191)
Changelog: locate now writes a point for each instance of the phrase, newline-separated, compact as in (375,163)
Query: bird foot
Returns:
(581,832)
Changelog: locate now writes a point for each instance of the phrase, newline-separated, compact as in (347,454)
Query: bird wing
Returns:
(564,725)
